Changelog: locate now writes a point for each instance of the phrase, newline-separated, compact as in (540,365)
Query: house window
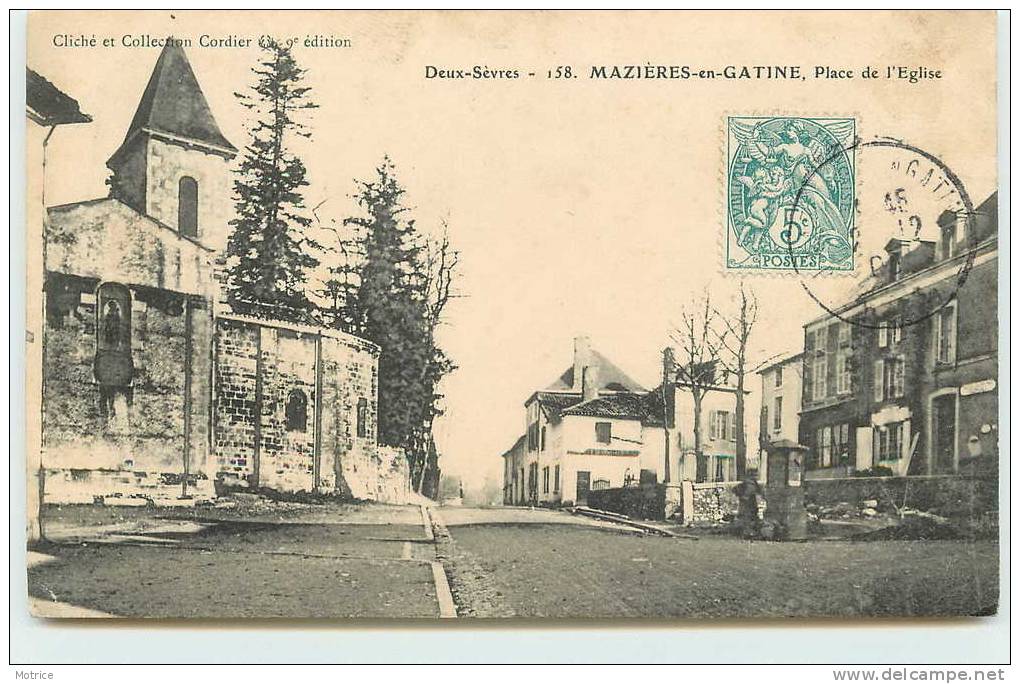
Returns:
(779,377)
(556,480)
(362,417)
(844,334)
(541,445)
(603,433)
(896,330)
(777,417)
(187,206)
(826,450)
(717,425)
(842,372)
(545,480)
(894,266)
(843,444)
(892,378)
(533,437)
(945,334)
(297,411)
(720,465)
(822,339)
(722,426)
(946,239)
(818,376)
(890,332)
(830,445)
(889,442)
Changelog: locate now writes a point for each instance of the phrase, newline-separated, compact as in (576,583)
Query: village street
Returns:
(271,559)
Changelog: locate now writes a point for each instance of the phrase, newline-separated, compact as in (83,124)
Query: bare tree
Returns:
(732,335)
(441,261)
(697,356)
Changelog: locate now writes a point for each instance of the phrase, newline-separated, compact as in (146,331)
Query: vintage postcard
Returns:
(451,314)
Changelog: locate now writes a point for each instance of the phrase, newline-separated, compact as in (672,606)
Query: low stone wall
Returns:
(714,502)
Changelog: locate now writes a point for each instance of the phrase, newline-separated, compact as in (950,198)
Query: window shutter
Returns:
(883,335)
(809,386)
(936,339)
(951,334)
(879,375)
(898,372)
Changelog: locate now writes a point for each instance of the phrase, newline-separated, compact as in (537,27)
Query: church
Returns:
(153,390)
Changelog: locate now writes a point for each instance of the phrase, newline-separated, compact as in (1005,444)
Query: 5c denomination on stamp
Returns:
(782,214)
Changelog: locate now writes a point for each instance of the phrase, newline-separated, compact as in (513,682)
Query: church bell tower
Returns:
(173,164)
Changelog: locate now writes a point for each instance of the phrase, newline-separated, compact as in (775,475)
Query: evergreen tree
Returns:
(391,288)
(270,253)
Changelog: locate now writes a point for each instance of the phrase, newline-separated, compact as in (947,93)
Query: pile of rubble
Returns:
(866,510)
(874,521)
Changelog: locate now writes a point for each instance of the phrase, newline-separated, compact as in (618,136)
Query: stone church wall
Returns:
(129,441)
(260,364)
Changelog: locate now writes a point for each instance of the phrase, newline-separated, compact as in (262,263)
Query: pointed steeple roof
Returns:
(173,104)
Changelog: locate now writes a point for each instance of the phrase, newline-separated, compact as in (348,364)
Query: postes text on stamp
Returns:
(790,191)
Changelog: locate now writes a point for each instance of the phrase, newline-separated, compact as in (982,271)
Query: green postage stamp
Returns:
(790,191)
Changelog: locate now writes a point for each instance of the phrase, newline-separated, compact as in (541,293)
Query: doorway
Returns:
(583,487)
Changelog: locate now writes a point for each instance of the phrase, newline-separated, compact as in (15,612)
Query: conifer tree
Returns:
(391,287)
(270,251)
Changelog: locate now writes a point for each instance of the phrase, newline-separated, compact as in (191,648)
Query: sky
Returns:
(580,207)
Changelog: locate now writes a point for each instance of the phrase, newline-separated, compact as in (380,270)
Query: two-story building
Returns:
(718,427)
(781,390)
(513,473)
(582,431)
(596,428)
(904,376)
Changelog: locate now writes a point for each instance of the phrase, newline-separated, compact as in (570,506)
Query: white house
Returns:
(781,387)
(596,428)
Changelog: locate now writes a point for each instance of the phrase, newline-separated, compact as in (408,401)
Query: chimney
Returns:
(582,358)
(590,384)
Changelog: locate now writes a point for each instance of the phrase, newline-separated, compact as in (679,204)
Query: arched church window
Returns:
(297,411)
(187,206)
(113,365)
(362,418)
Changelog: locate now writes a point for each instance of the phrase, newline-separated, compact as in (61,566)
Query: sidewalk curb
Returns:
(447,608)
